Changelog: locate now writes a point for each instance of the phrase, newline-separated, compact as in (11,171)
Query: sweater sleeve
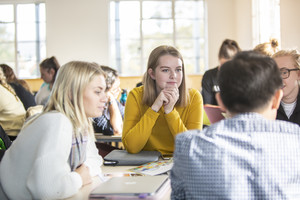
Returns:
(195,115)
(51,176)
(93,160)
(137,126)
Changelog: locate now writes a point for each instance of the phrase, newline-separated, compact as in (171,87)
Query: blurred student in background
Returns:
(209,81)
(288,62)
(163,107)
(48,69)
(267,48)
(12,111)
(55,153)
(20,86)
(111,122)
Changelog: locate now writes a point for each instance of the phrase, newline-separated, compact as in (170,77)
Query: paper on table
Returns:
(154,168)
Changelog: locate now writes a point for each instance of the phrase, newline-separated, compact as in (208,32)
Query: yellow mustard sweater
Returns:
(145,129)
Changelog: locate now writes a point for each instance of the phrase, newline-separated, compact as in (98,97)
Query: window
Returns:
(137,27)
(22,37)
(266,20)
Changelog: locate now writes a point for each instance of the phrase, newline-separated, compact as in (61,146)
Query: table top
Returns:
(84,192)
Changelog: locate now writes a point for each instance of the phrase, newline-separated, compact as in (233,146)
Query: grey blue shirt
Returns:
(245,157)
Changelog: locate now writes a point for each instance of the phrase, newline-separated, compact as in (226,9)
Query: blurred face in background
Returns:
(290,85)
(47,74)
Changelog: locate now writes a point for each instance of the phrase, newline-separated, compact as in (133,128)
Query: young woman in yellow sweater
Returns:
(156,112)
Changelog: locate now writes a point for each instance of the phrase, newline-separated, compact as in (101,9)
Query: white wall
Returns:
(77,30)
(290,26)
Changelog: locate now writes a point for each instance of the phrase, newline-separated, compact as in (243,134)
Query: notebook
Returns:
(136,186)
(214,113)
(122,157)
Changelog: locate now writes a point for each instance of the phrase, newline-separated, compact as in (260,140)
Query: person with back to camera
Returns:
(209,81)
(48,69)
(267,48)
(248,156)
(55,153)
(12,111)
(162,108)
(288,62)
(111,122)
(20,86)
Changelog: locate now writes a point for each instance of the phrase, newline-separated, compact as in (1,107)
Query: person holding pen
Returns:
(55,154)
(163,107)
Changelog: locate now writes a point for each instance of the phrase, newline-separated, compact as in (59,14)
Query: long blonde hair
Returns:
(6,85)
(150,93)
(67,93)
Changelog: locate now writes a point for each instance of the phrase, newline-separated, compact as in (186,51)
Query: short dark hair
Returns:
(248,82)
(111,76)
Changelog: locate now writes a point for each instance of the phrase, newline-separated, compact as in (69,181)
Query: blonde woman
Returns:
(161,109)
(12,111)
(288,62)
(55,153)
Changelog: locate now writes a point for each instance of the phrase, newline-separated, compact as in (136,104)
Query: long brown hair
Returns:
(12,78)
(150,93)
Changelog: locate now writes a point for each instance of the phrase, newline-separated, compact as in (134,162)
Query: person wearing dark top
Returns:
(111,122)
(288,62)
(24,95)
(20,86)
(209,81)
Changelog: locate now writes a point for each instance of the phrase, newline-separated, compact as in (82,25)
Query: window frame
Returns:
(17,42)
(196,39)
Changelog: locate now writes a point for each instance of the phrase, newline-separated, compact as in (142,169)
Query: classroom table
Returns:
(84,192)
(108,138)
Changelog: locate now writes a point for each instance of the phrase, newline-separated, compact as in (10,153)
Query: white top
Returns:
(42,96)
(36,165)
(289,108)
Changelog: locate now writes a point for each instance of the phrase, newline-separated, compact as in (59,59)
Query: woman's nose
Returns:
(172,75)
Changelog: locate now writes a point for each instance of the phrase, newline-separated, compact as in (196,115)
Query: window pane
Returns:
(157,28)
(26,32)
(42,12)
(195,9)
(42,27)
(131,66)
(6,13)
(27,60)
(190,49)
(129,49)
(149,45)
(157,9)
(25,13)
(7,51)
(7,32)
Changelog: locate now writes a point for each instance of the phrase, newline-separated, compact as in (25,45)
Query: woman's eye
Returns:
(165,70)
(178,70)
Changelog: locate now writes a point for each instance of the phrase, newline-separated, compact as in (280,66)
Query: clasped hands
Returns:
(167,98)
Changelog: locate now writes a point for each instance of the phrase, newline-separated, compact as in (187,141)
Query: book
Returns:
(154,168)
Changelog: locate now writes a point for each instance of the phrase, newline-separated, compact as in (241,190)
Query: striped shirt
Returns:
(245,157)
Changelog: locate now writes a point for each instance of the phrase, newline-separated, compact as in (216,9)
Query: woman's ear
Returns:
(151,73)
